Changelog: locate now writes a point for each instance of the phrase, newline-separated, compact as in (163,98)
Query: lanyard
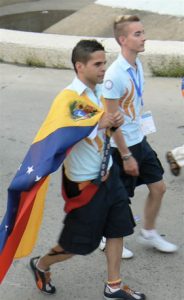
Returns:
(106,157)
(137,86)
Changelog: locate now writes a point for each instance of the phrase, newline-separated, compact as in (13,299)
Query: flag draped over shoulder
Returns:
(70,119)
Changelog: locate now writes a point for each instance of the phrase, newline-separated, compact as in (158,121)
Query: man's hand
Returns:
(106,121)
(118,119)
(131,166)
(109,120)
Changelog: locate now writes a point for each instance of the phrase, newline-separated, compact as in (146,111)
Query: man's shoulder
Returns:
(116,76)
(67,93)
(65,96)
(115,70)
(114,65)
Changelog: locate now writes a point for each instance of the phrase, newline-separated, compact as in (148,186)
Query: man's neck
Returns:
(87,82)
(130,57)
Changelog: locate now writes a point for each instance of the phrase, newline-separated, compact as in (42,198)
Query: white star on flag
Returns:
(19,167)
(30,170)
(37,178)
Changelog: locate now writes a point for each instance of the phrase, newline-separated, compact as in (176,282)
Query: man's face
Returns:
(93,71)
(135,38)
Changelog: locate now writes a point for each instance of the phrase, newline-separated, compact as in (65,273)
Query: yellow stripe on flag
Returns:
(59,115)
(31,232)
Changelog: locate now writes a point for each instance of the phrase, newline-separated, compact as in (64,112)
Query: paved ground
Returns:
(15,6)
(99,19)
(26,95)
(174,8)
(91,19)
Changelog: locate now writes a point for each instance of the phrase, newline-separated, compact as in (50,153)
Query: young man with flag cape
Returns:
(76,133)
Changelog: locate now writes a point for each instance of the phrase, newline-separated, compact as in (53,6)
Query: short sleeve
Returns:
(112,87)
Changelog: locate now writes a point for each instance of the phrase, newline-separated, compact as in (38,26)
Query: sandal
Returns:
(174,167)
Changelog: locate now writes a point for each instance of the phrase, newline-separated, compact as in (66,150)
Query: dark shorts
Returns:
(107,214)
(150,168)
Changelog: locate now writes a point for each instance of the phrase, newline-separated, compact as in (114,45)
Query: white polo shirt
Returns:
(120,85)
(84,161)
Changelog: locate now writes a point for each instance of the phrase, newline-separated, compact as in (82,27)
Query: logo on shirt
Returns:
(108,84)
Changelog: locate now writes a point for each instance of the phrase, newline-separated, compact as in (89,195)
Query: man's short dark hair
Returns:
(83,50)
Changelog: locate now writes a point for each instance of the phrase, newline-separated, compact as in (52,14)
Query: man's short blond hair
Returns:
(120,25)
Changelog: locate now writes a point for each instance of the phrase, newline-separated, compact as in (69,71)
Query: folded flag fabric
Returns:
(70,119)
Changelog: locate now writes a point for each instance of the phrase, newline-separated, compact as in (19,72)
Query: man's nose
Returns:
(103,67)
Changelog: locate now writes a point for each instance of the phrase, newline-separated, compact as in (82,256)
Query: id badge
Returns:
(147,123)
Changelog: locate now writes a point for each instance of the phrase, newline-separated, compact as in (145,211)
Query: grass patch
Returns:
(32,62)
(170,68)
(60,66)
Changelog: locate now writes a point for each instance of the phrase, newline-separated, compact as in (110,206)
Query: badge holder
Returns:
(147,123)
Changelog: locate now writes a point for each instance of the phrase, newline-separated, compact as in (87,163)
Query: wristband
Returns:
(126,156)
(113,129)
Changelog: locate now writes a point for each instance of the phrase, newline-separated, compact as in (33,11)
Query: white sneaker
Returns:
(102,244)
(157,242)
(126,253)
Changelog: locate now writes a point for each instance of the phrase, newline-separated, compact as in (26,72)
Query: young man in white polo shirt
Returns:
(123,89)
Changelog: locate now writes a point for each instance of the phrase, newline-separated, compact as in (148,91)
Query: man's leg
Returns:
(113,253)
(40,267)
(153,203)
(149,235)
(56,254)
(126,253)
(113,288)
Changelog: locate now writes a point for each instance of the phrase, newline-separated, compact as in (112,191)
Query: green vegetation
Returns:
(34,62)
(172,68)
(60,66)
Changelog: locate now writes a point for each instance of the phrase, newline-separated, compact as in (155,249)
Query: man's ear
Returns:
(79,66)
(122,39)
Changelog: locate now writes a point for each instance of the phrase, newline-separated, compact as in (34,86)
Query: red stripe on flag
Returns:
(24,211)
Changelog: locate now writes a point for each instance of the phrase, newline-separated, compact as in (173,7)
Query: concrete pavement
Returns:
(18,6)
(26,95)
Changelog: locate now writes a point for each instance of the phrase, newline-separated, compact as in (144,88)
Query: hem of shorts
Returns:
(152,181)
(70,250)
(116,236)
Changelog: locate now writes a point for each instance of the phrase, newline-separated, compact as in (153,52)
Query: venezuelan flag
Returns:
(70,119)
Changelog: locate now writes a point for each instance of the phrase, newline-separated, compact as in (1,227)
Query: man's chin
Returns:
(142,50)
(101,80)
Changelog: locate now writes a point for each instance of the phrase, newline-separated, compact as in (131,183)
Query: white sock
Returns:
(112,290)
(148,233)
(40,268)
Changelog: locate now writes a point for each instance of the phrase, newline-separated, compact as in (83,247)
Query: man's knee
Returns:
(162,188)
(157,188)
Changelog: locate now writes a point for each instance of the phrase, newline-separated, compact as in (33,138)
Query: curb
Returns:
(52,50)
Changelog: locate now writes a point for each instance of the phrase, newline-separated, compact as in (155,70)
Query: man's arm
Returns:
(129,163)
